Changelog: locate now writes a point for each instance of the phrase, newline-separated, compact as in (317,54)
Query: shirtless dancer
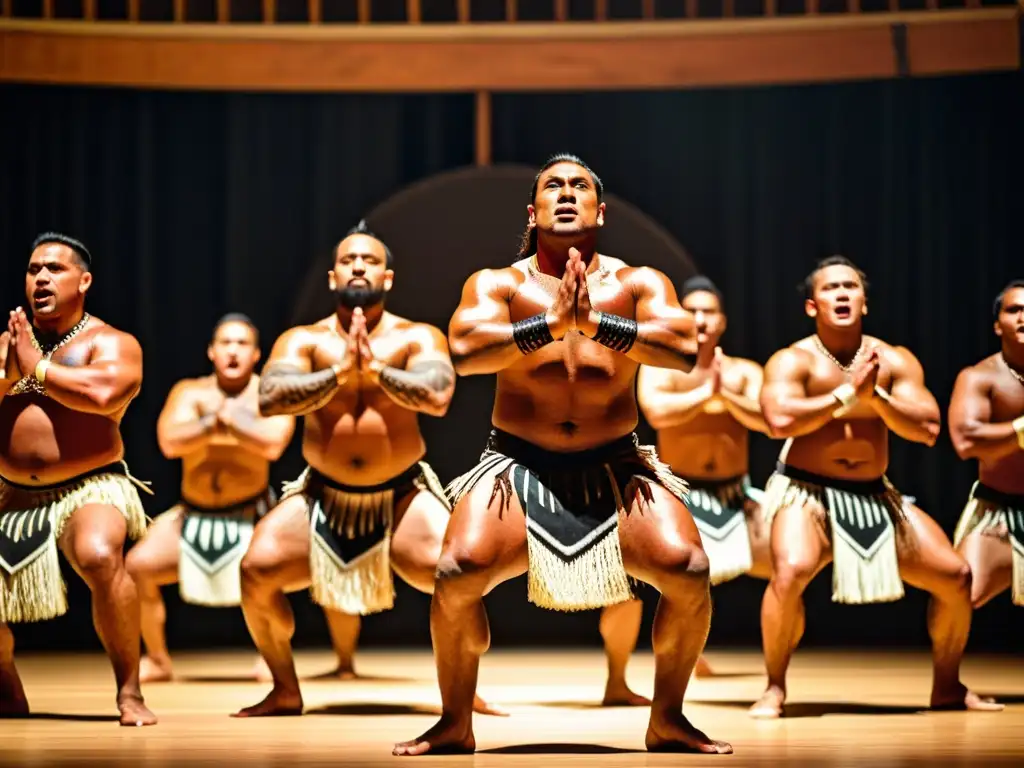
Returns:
(361,377)
(834,397)
(986,422)
(68,380)
(213,425)
(563,491)
(703,424)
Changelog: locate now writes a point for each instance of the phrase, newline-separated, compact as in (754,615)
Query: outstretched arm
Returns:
(181,428)
(663,406)
(427,382)
(909,409)
(289,385)
(481,332)
(745,407)
(974,434)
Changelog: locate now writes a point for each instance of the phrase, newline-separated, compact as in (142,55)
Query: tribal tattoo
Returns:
(288,390)
(419,386)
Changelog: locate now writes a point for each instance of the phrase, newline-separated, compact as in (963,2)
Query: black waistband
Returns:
(873,487)
(713,485)
(266,494)
(115,468)
(402,479)
(531,455)
(1009,500)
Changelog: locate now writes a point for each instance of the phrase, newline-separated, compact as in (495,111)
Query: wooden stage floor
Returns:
(847,709)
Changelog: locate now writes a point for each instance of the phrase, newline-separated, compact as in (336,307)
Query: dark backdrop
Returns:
(199,203)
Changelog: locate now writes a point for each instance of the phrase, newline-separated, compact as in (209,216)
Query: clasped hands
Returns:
(22,355)
(571,310)
(863,384)
(358,357)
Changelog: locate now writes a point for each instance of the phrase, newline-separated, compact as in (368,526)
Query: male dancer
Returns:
(563,491)
(703,424)
(835,396)
(213,425)
(367,502)
(68,380)
(986,422)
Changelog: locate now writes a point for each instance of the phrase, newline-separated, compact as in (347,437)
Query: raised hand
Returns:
(561,315)
(368,363)
(716,371)
(865,376)
(586,321)
(11,370)
(26,354)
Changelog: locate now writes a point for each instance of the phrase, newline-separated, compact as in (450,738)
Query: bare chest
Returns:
(1007,399)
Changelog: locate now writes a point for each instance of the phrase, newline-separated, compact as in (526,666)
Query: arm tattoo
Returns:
(532,333)
(285,389)
(418,385)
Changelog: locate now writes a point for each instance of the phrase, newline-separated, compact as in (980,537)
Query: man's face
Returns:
(360,277)
(708,318)
(1009,326)
(55,281)
(234,351)
(566,202)
(839,299)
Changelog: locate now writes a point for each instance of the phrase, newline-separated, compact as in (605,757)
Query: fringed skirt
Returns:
(719,508)
(994,513)
(32,519)
(572,502)
(350,536)
(212,543)
(863,516)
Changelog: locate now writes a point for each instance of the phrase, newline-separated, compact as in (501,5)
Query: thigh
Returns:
(420,522)
(93,538)
(658,535)
(279,549)
(760,542)
(486,534)
(156,555)
(926,555)
(990,558)
(798,542)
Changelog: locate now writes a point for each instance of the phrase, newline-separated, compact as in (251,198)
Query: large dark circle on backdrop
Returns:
(443,229)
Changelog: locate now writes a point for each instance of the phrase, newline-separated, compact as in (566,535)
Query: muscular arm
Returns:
(427,382)
(10,377)
(480,331)
(745,407)
(107,383)
(974,434)
(180,429)
(662,406)
(787,409)
(909,409)
(289,385)
(265,436)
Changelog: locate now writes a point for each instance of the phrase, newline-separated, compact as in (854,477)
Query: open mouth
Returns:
(843,311)
(41,294)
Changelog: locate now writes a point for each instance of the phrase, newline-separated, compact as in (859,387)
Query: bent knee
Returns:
(682,567)
(460,564)
(97,560)
(792,574)
(139,564)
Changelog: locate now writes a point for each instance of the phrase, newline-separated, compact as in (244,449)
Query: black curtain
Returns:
(199,203)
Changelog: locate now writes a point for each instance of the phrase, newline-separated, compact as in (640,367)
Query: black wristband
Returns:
(615,332)
(532,333)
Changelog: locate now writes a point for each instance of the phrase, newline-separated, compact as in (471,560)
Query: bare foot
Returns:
(277,704)
(960,699)
(155,670)
(678,735)
(134,711)
(702,668)
(342,672)
(482,707)
(13,702)
(619,695)
(769,706)
(448,737)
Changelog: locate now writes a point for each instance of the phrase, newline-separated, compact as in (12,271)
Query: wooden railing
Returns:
(456,11)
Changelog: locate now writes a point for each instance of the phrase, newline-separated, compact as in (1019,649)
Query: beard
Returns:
(351,297)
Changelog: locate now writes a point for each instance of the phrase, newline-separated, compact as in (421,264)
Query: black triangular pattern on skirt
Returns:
(865,519)
(716,504)
(214,553)
(24,535)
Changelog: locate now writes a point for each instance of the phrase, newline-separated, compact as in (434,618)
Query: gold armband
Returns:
(40,372)
(847,397)
(1018,427)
